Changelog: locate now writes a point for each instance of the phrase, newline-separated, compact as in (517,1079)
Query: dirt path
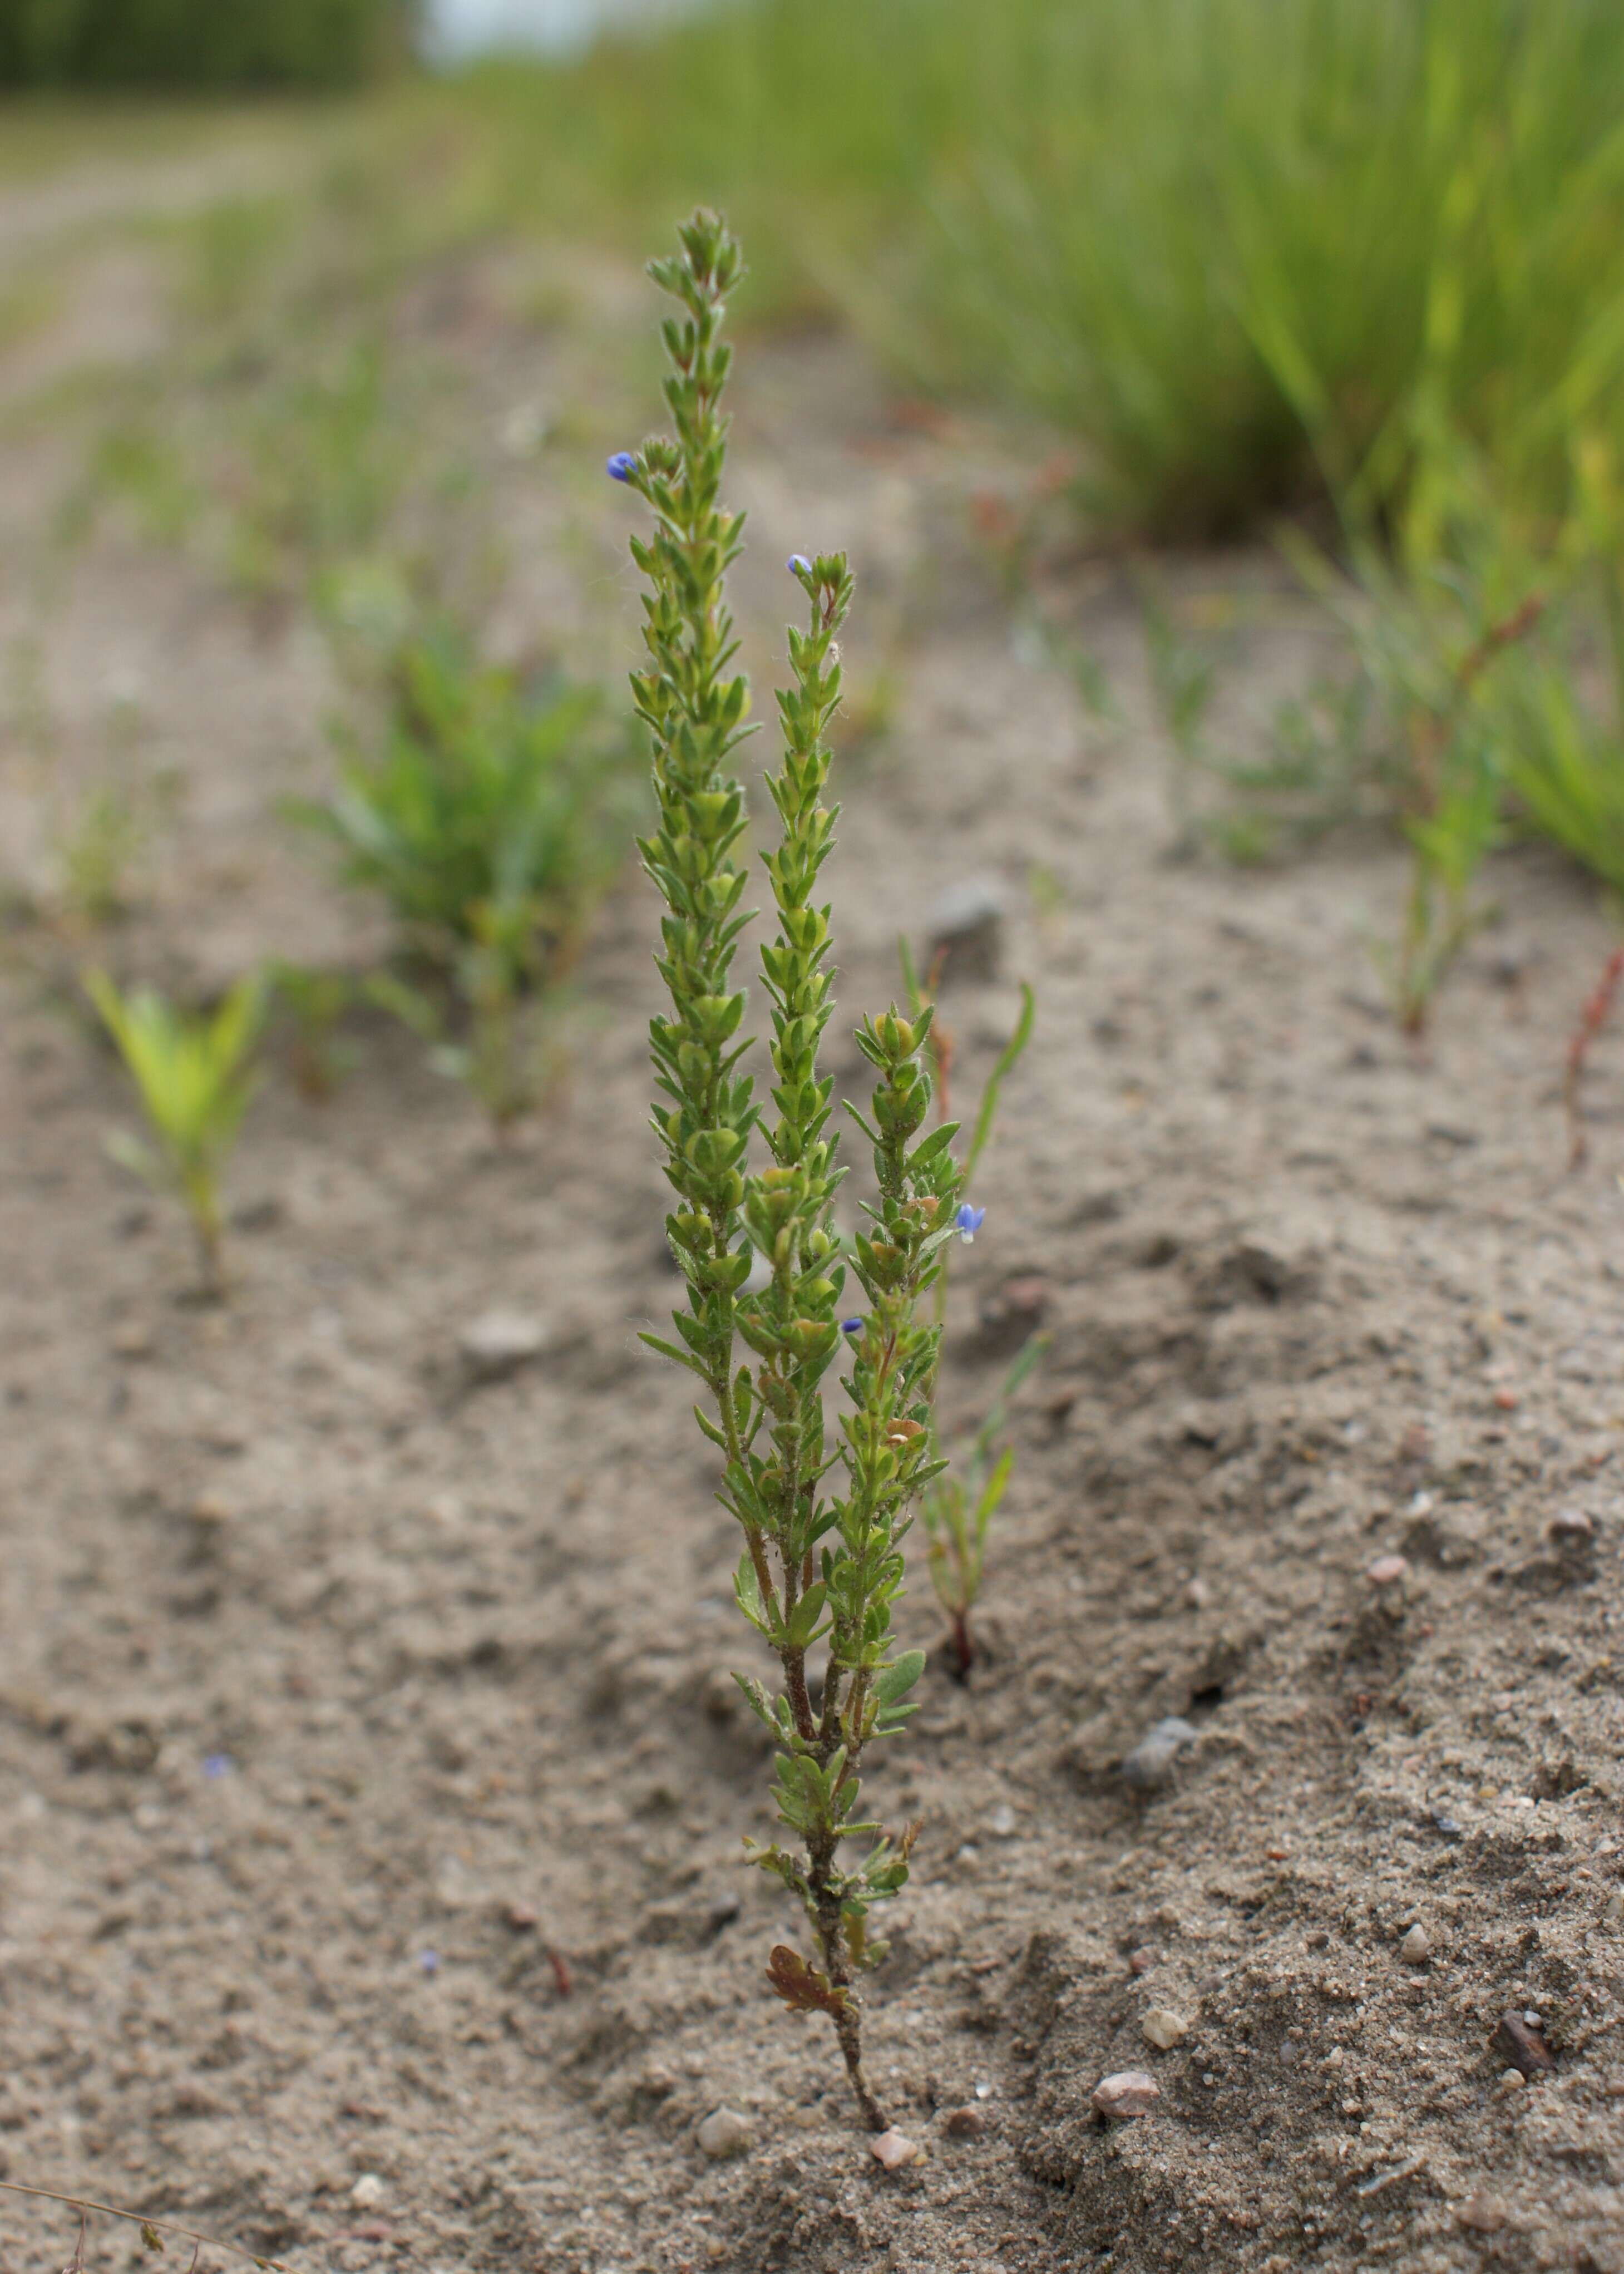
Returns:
(341,1693)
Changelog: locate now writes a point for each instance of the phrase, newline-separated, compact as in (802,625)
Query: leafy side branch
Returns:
(824,1506)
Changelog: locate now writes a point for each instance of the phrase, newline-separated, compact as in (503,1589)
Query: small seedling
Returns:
(1183,674)
(957,1512)
(194,1076)
(315,1001)
(823,1521)
(957,1515)
(1456,793)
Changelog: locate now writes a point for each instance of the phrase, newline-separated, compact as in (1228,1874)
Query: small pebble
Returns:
(523,1917)
(1140,1961)
(1387,1571)
(716,2249)
(1198,1594)
(1002,1824)
(1129,2092)
(1150,1763)
(499,1343)
(892,2149)
(1416,1948)
(1482,2214)
(966,929)
(1164,2029)
(1511,2080)
(1524,2045)
(1507,1400)
(1570,1527)
(367,2191)
(724,2133)
(964,2124)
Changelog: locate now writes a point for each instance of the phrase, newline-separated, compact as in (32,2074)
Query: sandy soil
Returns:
(371,1782)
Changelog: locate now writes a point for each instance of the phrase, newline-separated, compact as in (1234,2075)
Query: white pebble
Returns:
(891,2149)
(724,2133)
(367,2191)
(1416,1948)
(1129,2092)
(1164,2028)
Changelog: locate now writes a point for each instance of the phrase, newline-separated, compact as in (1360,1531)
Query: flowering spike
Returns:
(822,1530)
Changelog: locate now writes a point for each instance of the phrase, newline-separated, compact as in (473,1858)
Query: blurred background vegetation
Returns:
(201,43)
(1348,274)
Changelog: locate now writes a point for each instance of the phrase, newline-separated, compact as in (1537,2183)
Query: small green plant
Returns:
(823,1513)
(491,823)
(957,1512)
(315,1002)
(1183,674)
(98,854)
(957,1515)
(194,1076)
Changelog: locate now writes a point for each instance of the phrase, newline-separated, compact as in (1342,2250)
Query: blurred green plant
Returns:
(97,855)
(491,823)
(956,1514)
(1218,256)
(324,466)
(315,1001)
(958,1510)
(194,1076)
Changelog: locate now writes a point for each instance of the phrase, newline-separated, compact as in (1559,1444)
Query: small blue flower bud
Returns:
(622,466)
(799,565)
(969,1221)
(218,1765)
(851,1326)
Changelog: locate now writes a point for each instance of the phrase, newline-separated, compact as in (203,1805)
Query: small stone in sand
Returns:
(1521,2043)
(724,2133)
(1482,2214)
(1164,2028)
(499,1343)
(1129,2092)
(966,929)
(1387,1571)
(1416,1948)
(367,2191)
(1150,1763)
(892,2149)
(964,2124)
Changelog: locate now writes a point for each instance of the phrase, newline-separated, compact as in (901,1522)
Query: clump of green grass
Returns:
(490,822)
(1219,257)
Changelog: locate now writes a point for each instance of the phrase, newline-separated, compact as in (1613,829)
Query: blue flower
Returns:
(622,466)
(218,1765)
(851,1326)
(429,1961)
(969,1221)
(799,565)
